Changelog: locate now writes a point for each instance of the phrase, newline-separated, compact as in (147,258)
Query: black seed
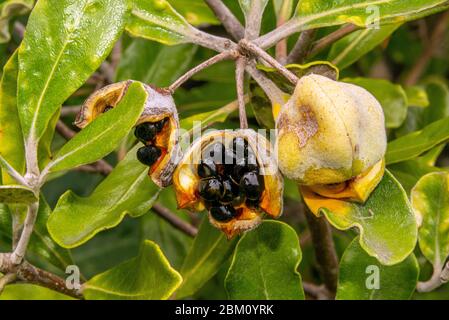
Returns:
(238,200)
(230,190)
(148,155)
(210,189)
(145,132)
(252,203)
(240,147)
(160,124)
(107,109)
(215,152)
(210,204)
(223,213)
(207,168)
(252,185)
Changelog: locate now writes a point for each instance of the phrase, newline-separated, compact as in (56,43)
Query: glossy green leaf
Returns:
(418,142)
(26,291)
(351,48)
(151,62)
(103,135)
(149,276)
(8,10)
(264,265)
(196,12)
(391,96)
(209,251)
(5,221)
(16,194)
(417,96)
(65,39)
(157,20)
(41,243)
(386,222)
(362,277)
(321,13)
(128,189)
(430,200)
(11,146)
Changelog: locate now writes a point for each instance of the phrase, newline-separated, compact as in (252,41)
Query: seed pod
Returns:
(162,152)
(230,213)
(329,132)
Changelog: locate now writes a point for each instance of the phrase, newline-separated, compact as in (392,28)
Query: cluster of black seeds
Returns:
(229,178)
(146,132)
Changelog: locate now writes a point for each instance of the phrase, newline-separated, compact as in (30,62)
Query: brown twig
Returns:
(326,41)
(70,110)
(240,80)
(434,43)
(231,54)
(324,249)
(302,47)
(227,18)
(19,252)
(252,48)
(31,274)
(317,292)
(174,220)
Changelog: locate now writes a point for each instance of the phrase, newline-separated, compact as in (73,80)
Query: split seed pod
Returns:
(201,182)
(159,108)
(329,132)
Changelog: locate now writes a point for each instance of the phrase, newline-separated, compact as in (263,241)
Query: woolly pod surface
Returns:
(157,128)
(255,186)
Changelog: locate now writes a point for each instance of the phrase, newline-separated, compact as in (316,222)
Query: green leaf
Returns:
(16,194)
(418,142)
(157,20)
(196,12)
(5,221)
(430,200)
(417,97)
(42,245)
(209,251)
(149,276)
(8,10)
(103,135)
(66,40)
(12,145)
(362,277)
(26,291)
(321,13)
(351,48)
(127,189)
(264,265)
(151,62)
(391,96)
(386,222)
(283,9)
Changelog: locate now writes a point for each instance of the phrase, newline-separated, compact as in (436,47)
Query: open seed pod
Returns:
(233,175)
(157,127)
(329,133)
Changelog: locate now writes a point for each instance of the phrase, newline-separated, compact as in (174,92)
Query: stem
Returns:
(302,47)
(281,47)
(254,20)
(174,220)
(227,18)
(70,110)
(7,279)
(438,278)
(434,43)
(332,37)
(287,29)
(240,82)
(324,249)
(290,76)
(317,292)
(231,54)
(12,172)
(20,251)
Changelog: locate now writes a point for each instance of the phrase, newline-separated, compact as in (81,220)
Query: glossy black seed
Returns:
(207,168)
(252,203)
(223,213)
(211,189)
(216,152)
(240,147)
(160,124)
(210,204)
(145,132)
(107,109)
(148,155)
(251,185)
(238,200)
(230,190)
